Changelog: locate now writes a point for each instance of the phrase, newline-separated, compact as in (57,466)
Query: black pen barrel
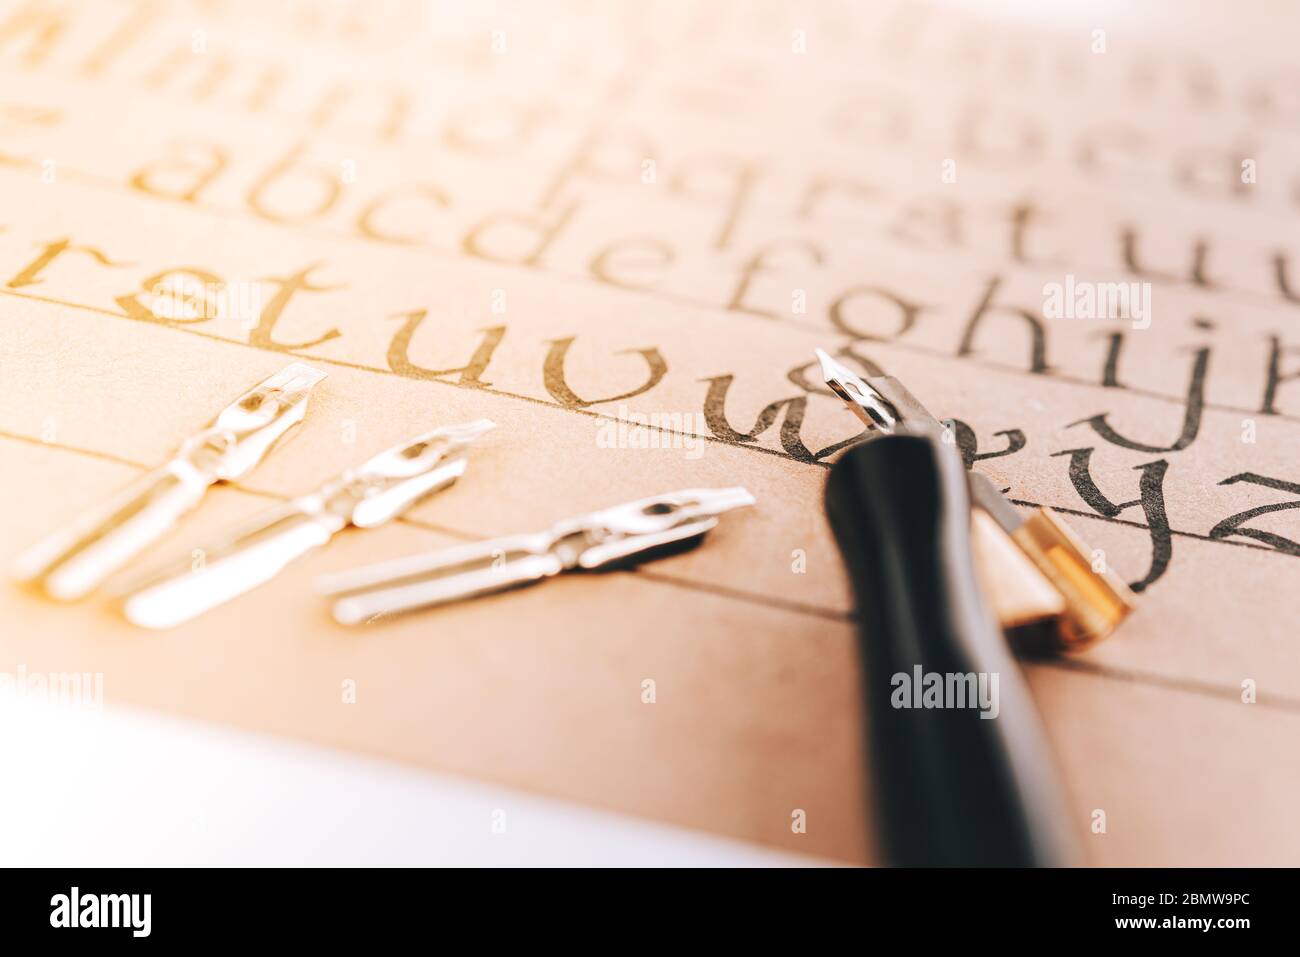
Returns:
(961,771)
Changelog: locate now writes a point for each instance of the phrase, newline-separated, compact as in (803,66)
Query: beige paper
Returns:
(568,218)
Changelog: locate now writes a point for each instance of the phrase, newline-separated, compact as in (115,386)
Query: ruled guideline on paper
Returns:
(619,232)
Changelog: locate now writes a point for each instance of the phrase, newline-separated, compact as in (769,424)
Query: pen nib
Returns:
(830,368)
(864,401)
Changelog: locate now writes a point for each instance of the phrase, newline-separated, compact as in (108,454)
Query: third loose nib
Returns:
(623,534)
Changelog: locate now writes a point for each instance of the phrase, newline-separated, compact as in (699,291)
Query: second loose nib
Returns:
(371,494)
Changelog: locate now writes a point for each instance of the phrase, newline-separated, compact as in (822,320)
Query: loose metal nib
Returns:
(599,540)
(72,562)
(1036,571)
(366,496)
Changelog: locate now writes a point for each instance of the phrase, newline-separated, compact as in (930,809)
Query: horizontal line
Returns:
(1132,524)
(78,450)
(726,591)
(357,366)
(1189,685)
(821,330)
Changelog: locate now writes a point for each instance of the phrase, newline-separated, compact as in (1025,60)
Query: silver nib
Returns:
(588,542)
(862,398)
(72,562)
(371,494)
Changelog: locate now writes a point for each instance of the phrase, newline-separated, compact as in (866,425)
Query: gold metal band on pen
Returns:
(1096,601)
